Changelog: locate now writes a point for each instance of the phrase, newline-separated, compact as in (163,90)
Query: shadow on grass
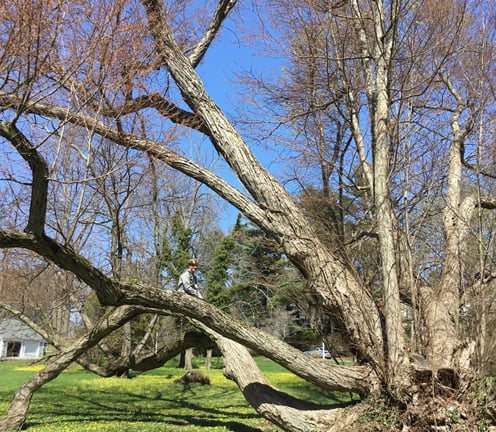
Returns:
(166,408)
(179,422)
(261,393)
(163,406)
(179,410)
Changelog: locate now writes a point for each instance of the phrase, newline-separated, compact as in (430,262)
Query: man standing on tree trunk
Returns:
(187,281)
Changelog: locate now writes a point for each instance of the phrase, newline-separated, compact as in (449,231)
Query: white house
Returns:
(18,341)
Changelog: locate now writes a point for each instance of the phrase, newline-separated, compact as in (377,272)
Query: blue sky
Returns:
(227,56)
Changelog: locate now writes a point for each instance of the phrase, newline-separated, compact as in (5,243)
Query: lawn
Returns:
(81,401)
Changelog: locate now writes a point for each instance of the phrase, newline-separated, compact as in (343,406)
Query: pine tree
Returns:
(176,247)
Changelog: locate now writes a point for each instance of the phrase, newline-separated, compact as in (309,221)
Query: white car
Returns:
(318,352)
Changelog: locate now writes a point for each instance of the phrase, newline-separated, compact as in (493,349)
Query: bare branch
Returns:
(167,109)
(39,169)
(171,158)
(67,259)
(220,14)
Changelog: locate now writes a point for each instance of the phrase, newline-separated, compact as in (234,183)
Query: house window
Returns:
(13,349)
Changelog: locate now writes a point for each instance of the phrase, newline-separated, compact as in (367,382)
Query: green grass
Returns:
(81,401)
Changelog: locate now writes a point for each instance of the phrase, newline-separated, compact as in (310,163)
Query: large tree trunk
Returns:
(396,376)
(442,307)
(290,413)
(330,277)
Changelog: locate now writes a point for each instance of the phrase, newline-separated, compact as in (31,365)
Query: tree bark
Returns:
(188,359)
(329,276)
(446,347)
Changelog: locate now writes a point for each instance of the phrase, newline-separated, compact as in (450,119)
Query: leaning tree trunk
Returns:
(19,407)
(16,415)
(288,412)
(330,276)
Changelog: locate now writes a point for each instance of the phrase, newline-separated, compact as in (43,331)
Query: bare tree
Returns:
(140,57)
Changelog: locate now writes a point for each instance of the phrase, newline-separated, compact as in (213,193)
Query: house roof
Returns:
(11,328)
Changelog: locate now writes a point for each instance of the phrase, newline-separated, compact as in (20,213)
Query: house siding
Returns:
(18,341)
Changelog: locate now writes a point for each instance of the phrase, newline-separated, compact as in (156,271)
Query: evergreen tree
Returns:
(176,248)
(217,277)
(258,264)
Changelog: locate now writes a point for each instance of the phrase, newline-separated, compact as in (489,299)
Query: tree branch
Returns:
(20,403)
(39,169)
(221,12)
(171,158)
(286,411)
(164,107)
(334,377)
(67,259)
(167,301)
